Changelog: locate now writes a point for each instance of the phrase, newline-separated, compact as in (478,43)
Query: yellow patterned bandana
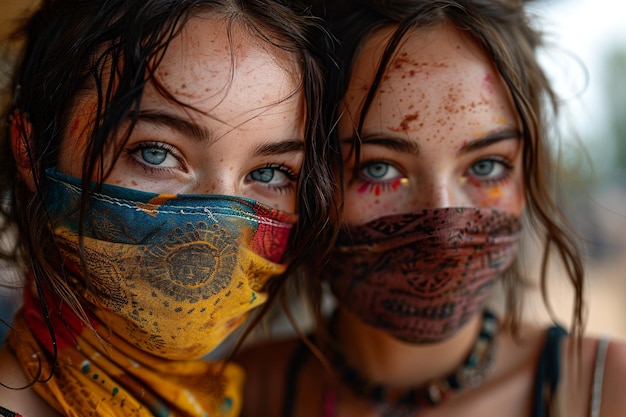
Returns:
(168,278)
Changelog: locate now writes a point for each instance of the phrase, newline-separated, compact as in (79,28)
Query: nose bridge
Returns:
(438,195)
(219,181)
(438,191)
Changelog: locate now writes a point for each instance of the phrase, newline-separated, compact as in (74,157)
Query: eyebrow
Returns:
(490,139)
(282,147)
(186,127)
(201,134)
(396,144)
(410,147)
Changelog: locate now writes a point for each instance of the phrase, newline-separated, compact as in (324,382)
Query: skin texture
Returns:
(179,150)
(243,137)
(442,132)
(424,149)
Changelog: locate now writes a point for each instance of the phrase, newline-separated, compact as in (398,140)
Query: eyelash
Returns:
(288,172)
(132,153)
(376,186)
(371,185)
(380,187)
(506,164)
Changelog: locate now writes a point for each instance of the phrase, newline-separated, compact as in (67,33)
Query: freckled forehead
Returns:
(208,58)
(437,79)
(426,61)
(423,52)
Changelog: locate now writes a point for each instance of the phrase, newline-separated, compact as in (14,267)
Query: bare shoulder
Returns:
(582,369)
(23,401)
(266,365)
(614,381)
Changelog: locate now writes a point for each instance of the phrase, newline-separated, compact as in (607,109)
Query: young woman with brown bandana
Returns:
(157,158)
(443,130)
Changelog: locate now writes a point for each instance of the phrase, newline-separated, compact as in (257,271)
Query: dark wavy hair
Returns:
(503,30)
(111,48)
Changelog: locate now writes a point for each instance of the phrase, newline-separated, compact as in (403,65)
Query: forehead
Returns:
(441,46)
(434,74)
(213,59)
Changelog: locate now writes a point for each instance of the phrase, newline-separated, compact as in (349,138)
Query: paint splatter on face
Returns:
(441,131)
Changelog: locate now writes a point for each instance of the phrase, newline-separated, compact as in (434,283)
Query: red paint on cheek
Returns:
(473,182)
(396,184)
(488,83)
(377,190)
(363,188)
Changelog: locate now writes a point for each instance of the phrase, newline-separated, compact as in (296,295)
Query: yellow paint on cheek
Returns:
(399,182)
(495,193)
(462,179)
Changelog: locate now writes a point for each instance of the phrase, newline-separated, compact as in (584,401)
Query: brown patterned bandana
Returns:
(421,276)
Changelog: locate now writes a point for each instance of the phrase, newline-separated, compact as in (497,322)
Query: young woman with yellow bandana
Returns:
(158,157)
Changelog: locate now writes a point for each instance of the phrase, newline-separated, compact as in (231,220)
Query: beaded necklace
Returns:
(392,402)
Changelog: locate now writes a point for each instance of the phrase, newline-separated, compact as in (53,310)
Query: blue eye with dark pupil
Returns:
(483,168)
(377,170)
(263,174)
(154,156)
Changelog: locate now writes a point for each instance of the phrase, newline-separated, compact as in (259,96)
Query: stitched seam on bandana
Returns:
(206,210)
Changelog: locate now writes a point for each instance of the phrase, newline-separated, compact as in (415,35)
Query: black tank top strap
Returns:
(291,378)
(8,413)
(548,372)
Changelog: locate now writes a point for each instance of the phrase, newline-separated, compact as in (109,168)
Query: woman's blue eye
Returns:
(263,174)
(483,168)
(490,169)
(379,171)
(271,176)
(154,156)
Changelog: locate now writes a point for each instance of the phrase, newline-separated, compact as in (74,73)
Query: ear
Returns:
(20,144)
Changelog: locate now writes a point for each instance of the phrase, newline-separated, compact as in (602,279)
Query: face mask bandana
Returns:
(421,276)
(168,278)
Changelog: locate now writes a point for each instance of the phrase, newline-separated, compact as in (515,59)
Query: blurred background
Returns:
(586,60)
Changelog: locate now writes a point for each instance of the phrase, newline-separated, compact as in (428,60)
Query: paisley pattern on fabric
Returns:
(102,375)
(421,276)
(172,274)
(168,278)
